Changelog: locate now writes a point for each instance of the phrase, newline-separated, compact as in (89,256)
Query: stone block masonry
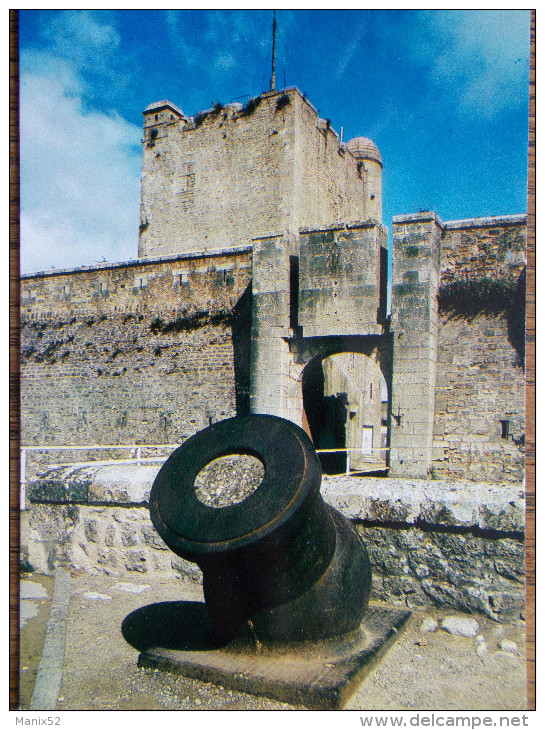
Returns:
(136,353)
(458,305)
(152,351)
(270,356)
(480,399)
(483,247)
(479,425)
(416,276)
(453,544)
(339,285)
(232,173)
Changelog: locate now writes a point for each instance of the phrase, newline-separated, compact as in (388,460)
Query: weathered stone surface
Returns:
(412,566)
(94,596)
(150,366)
(460,626)
(454,503)
(229,480)
(429,624)
(185,569)
(415,567)
(91,530)
(89,484)
(136,560)
(508,645)
(65,484)
(245,158)
(27,610)
(130,587)
(29,589)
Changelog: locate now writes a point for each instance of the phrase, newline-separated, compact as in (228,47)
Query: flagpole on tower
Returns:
(273,74)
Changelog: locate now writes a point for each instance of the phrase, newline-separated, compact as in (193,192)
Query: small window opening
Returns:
(156,117)
(294,292)
(371,391)
(504,429)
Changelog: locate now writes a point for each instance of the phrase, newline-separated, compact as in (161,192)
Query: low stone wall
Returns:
(450,544)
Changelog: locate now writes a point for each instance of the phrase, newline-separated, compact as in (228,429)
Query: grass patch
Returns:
(282,102)
(191,322)
(250,106)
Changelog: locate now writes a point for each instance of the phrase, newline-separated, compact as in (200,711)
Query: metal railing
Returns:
(137,449)
(140,459)
(378,464)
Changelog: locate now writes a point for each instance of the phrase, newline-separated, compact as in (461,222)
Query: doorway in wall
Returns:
(345,404)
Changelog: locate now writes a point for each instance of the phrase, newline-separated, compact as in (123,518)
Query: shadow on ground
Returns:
(183,625)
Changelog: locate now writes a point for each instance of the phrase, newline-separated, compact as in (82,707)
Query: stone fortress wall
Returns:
(135,352)
(146,352)
(480,397)
(458,321)
(262,253)
(452,544)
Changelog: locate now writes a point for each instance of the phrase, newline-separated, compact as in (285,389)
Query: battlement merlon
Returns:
(484,222)
(161,112)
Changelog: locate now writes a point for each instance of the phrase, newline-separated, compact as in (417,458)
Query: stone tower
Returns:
(234,173)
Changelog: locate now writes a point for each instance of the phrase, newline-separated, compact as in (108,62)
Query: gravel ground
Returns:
(424,670)
(228,480)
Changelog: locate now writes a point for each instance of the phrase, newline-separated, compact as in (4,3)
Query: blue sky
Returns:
(443,94)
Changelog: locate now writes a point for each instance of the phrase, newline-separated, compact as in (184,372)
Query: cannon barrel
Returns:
(281,558)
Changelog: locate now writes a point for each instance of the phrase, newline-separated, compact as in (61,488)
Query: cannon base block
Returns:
(318,675)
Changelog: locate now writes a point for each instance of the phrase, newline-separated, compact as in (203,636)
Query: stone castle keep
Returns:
(261,285)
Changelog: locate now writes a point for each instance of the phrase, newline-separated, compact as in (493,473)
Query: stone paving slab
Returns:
(49,678)
(319,675)
(28,589)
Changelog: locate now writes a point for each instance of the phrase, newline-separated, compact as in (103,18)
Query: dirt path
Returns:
(422,671)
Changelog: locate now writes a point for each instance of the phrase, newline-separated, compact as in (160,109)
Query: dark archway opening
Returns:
(241,327)
(345,407)
(326,417)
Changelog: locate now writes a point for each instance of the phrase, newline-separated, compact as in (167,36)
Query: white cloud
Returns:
(225,62)
(80,172)
(245,33)
(78,36)
(351,48)
(80,167)
(477,57)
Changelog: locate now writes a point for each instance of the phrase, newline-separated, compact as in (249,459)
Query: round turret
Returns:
(363,148)
(370,166)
